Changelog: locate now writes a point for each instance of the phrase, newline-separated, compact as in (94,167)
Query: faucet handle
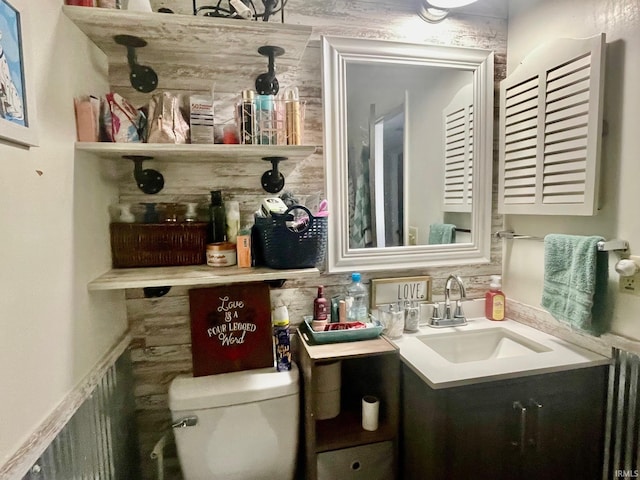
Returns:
(447,310)
(458,312)
(435,313)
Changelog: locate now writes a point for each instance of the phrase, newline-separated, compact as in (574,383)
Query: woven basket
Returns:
(281,247)
(158,244)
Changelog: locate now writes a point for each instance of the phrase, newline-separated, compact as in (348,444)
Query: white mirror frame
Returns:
(336,53)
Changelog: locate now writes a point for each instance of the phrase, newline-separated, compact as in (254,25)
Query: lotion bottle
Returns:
(248,118)
(232,212)
(293,117)
(494,300)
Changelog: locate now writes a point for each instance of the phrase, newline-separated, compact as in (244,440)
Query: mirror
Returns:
(408,144)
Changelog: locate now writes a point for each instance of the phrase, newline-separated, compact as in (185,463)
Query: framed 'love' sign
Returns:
(393,290)
(230,328)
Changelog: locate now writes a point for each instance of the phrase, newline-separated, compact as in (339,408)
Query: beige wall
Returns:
(54,239)
(618,217)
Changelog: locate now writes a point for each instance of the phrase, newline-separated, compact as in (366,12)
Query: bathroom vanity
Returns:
(543,426)
(500,400)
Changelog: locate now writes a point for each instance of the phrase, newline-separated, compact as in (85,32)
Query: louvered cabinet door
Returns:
(458,152)
(551,129)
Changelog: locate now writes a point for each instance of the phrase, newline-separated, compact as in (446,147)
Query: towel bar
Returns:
(604,246)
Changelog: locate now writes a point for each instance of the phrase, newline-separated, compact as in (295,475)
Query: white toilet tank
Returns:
(237,426)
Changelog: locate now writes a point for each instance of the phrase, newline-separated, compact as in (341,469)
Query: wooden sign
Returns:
(392,290)
(230,328)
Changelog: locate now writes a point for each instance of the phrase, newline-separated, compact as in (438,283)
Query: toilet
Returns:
(237,426)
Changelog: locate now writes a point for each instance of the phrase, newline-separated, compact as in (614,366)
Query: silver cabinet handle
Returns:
(534,440)
(523,425)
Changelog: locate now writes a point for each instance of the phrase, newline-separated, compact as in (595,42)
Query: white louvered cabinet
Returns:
(458,152)
(551,129)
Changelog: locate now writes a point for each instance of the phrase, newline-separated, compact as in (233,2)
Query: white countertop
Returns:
(439,373)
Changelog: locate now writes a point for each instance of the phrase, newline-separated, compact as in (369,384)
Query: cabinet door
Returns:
(484,432)
(565,427)
(532,428)
(465,432)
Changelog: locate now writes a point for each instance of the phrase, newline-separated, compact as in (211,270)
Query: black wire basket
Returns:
(290,241)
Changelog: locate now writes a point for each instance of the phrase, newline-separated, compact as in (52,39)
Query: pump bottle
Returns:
(320,309)
(494,300)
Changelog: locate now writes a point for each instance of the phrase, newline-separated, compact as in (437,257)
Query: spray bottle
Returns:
(281,340)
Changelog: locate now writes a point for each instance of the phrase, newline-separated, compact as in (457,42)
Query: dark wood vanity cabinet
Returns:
(537,427)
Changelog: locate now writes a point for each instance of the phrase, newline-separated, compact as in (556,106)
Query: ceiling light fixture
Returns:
(434,11)
(449,3)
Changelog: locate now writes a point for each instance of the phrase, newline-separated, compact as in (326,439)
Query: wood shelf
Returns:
(346,350)
(345,431)
(198,152)
(118,279)
(192,52)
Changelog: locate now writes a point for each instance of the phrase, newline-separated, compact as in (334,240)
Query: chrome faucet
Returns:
(449,319)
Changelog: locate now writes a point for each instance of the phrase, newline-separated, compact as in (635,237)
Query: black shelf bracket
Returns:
(155,292)
(267,83)
(148,180)
(143,78)
(272,180)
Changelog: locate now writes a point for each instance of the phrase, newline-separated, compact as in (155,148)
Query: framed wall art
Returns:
(17,96)
(231,328)
(393,290)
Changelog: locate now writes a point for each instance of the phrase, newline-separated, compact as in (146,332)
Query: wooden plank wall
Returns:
(160,327)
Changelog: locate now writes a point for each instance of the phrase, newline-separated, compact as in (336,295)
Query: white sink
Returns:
(480,345)
(484,350)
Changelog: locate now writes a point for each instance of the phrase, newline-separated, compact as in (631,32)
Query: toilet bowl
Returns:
(237,426)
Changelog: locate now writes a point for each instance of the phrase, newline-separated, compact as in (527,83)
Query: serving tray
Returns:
(339,336)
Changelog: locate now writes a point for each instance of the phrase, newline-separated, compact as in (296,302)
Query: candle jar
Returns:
(392,320)
(221,254)
(411,316)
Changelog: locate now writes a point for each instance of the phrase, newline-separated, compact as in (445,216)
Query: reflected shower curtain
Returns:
(360,203)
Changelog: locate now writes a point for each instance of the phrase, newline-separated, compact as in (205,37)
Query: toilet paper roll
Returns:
(328,376)
(327,405)
(370,411)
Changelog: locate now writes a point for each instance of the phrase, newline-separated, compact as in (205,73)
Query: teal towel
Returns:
(442,233)
(575,281)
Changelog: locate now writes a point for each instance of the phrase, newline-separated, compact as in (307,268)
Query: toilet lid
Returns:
(195,393)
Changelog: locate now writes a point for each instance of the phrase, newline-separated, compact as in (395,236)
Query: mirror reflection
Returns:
(408,149)
(410,154)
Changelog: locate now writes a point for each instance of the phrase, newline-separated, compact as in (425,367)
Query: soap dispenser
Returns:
(494,300)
